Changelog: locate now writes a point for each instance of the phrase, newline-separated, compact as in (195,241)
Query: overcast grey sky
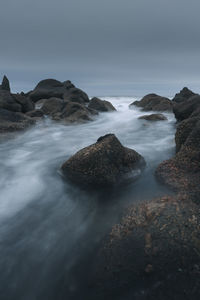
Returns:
(106,47)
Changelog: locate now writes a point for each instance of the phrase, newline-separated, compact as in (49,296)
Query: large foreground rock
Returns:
(153,253)
(183,95)
(103,164)
(12,121)
(49,88)
(154,102)
(153,117)
(101,105)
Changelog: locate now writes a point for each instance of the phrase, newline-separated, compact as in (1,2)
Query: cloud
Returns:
(100,41)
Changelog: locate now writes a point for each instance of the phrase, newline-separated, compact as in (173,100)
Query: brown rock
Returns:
(154,102)
(154,117)
(105,163)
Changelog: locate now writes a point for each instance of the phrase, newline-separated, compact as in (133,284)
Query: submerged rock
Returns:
(103,164)
(154,102)
(154,117)
(101,105)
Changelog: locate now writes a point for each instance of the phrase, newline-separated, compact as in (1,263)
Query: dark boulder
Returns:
(101,105)
(182,172)
(5,84)
(73,112)
(184,129)
(76,95)
(155,244)
(49,88)
(46,89)
(103,164)
(68,85)
(153,102)
(183,95)
(12,121)
(187,108)
(8,101)
(36,113)
(25,102)
(52,105)
(154,117)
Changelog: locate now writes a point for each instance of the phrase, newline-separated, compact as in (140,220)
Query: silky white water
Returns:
(46,225)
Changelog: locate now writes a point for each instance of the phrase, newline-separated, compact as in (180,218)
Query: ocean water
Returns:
(50,229)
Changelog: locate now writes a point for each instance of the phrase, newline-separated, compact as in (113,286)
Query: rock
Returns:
(182,172)
(101,105)
(73,112)
(36,113)
(49,88)
(52,105)
(7,101)
(103,164)
(67,111)
(148,269)
(187,108)
(68,85)
(154,102)
(183,131)
(5,84)
(25,102)
(12,121)
(76,95)
(153,117)
(183,95)
(173,223)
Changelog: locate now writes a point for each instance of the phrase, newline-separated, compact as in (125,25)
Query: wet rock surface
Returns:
(185,109)
(12,121)
(7,101)
(153,253)
(101,105)
(153,102)
(103,164)
(154,117)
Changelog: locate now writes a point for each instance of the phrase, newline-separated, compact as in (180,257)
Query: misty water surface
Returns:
(48,228)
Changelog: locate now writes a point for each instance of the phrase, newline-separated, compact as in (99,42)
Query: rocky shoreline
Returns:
(154,252)
(61,101)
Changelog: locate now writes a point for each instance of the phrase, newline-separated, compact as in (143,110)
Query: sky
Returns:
(105,47)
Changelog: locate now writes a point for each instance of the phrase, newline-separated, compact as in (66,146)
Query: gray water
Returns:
(48,228)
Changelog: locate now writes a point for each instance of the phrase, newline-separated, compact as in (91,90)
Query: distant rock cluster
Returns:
(61,101)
